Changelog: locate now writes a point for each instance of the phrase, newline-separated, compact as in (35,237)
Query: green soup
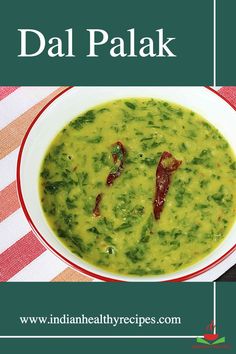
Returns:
(199,208)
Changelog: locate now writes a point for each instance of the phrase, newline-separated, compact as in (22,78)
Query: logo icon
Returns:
(211,337)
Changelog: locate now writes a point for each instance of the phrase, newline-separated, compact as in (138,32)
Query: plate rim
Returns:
(57,253)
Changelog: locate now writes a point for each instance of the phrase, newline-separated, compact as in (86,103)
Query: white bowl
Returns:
(66,106)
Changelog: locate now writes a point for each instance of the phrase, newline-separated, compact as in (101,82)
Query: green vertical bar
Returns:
(226,43)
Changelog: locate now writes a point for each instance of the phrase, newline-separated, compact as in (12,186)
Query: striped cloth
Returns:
(22,256)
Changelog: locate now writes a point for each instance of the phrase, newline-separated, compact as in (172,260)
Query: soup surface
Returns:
(121,234)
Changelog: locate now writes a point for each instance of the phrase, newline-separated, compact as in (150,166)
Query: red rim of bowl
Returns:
(47,245)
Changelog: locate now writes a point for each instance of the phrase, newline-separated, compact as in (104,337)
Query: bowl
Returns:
(69,104)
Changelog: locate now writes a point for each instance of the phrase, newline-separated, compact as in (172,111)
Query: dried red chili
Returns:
(118,154)
(166,166)
(96,209)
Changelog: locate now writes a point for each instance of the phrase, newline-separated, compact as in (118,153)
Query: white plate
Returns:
(73,102)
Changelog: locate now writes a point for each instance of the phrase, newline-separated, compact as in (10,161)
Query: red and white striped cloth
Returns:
(22,256)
